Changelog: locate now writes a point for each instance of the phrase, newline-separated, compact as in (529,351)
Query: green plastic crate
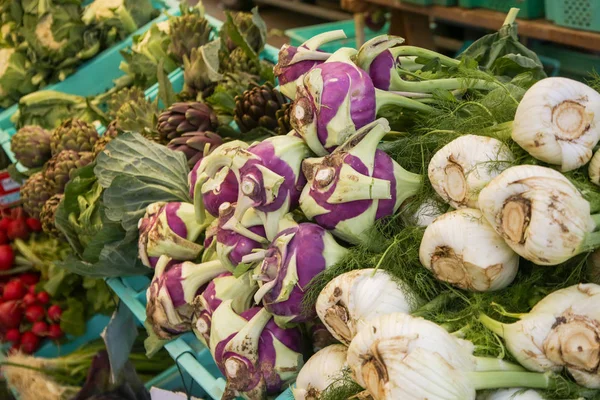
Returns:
(573,64)
(447,3)
(530,9)
(300,35)
(578,14)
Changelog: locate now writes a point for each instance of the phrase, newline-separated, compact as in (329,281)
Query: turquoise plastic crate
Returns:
(578,14)
(300,35)
(94,76)
(530,9)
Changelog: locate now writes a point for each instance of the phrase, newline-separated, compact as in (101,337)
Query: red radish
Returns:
(31,290)
(40,328)
(54,331)
(14,348)
(14,290)
(34,224)
(18,229)
(43,297)
(4,223)
(54,313)
(13,335)
(29,342)
(34,313)
(11,314)
(7,257)
(29,278)
(3,237)
(29,299)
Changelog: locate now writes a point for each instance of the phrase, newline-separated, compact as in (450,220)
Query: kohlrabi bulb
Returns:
(460,169)
(558,122)
(461,248)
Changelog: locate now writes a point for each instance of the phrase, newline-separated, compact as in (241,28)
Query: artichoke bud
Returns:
(31,146)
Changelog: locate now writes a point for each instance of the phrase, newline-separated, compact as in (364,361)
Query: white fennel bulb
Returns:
(320,371)
(425,214)
(562,331)
(460,169)
(353,298)
(398,356)
(558,122)
(594,169)
(461,248)
(540,214)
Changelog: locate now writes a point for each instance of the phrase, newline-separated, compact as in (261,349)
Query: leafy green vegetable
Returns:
(72,319)
(502,54)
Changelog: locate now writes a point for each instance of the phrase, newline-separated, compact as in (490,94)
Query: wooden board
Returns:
(488,19)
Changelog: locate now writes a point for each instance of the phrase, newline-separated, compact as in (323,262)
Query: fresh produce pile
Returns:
(410,225)
(34,292)
(83,374)
(45,41)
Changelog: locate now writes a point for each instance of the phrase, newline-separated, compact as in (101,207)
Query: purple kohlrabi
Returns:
(294,62)
(383,58)
(223,287)
(257,357)
(293,259)
(357,184)
(232,246)
(270,179)
(172,291)
(337,98)
(212,180)
(169,229)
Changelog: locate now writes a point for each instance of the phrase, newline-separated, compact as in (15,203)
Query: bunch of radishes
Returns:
(26,316)
(14,224)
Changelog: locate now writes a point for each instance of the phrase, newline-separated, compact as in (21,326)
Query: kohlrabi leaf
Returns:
(153,164)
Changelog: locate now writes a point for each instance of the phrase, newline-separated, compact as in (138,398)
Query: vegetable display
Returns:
(387,223)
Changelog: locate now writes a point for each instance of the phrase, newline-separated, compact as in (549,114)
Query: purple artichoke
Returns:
(257,357)
(356,185)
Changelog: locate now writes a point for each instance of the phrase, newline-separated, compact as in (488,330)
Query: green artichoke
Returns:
(34,193)
(188,31)
(139,116)
(47,215)
(258,107)
(186,117)
(73,134)
(31,146)
(239,61)
(110,133)
(117,99)
(59,169)
(192,144)
(201,71)
(284,125)
(250,26)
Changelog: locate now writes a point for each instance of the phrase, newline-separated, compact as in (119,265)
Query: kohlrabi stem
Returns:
(429,86)
(401,51)
(486,364)
(386,98)
(509,379)
(317,41)
(495,326)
